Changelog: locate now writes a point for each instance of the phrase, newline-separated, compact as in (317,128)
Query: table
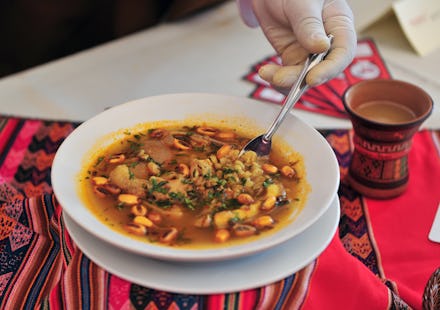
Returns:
(380,257)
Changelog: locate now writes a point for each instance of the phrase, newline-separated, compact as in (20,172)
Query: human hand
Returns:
(296,28)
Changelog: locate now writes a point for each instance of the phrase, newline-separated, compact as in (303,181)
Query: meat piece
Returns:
(121,177)
(158,150)
(140,170)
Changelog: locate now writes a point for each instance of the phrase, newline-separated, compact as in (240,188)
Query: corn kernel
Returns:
(170,235)
(245,199)
(99,180)
(264,221)
(225,135)
(128,199)
(288,171)
(138,210)
(269,168)
(155,217)
(244,230)
(269,203)
(158,133)
(116,159)
(207,131)
(223,151)
(183,169)
(142,220)
(136,229)
(222,235)
(181,145)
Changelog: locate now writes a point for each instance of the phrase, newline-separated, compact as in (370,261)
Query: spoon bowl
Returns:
(262,144)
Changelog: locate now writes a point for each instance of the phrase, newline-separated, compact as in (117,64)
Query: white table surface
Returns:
(207,53)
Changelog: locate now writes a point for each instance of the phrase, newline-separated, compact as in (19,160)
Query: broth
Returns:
(385,111)
(186,186)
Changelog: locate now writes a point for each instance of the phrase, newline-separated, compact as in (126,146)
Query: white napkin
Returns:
(434,234)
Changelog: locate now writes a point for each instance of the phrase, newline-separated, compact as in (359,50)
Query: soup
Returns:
(187,186)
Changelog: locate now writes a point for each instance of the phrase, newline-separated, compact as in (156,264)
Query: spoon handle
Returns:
(296,92)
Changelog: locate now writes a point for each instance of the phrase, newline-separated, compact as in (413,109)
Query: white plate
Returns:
(321,165)
(212,277)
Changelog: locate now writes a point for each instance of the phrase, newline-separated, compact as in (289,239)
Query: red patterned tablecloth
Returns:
(380,257)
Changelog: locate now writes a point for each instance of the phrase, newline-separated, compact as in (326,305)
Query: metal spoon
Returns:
(262,144)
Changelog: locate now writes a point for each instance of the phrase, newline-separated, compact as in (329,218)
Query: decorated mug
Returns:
(385,115)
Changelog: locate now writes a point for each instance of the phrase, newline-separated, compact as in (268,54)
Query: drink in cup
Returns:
(385,115)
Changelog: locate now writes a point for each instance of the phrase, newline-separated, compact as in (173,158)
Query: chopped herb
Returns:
(134,164)
(218,194)
(192,194)
(134,146)
(163,203)
(158,187)
(188,203)
(221,182)
(232,179)
(222,207)
(233,203)
(182,239)
(282,202)
(210,195)
(229,204)
(177,196)
(130,174)
(236,219)
(150,159)
(99,160)
(267,182)
(228,170)
(181,198)
(213,194)
(199,148)
(215,146)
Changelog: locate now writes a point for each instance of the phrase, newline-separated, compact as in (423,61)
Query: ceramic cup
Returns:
(385,115)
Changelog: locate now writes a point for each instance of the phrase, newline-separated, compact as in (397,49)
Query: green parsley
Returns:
(267,182)
(158,186)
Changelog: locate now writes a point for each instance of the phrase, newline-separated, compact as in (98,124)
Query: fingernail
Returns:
(319,36)
(319,81)
(267,71)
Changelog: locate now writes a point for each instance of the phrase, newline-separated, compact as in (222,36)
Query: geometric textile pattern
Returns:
(354,228)
(27,149)
(33,237)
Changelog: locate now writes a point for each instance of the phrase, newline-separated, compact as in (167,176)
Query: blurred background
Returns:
(71,59)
